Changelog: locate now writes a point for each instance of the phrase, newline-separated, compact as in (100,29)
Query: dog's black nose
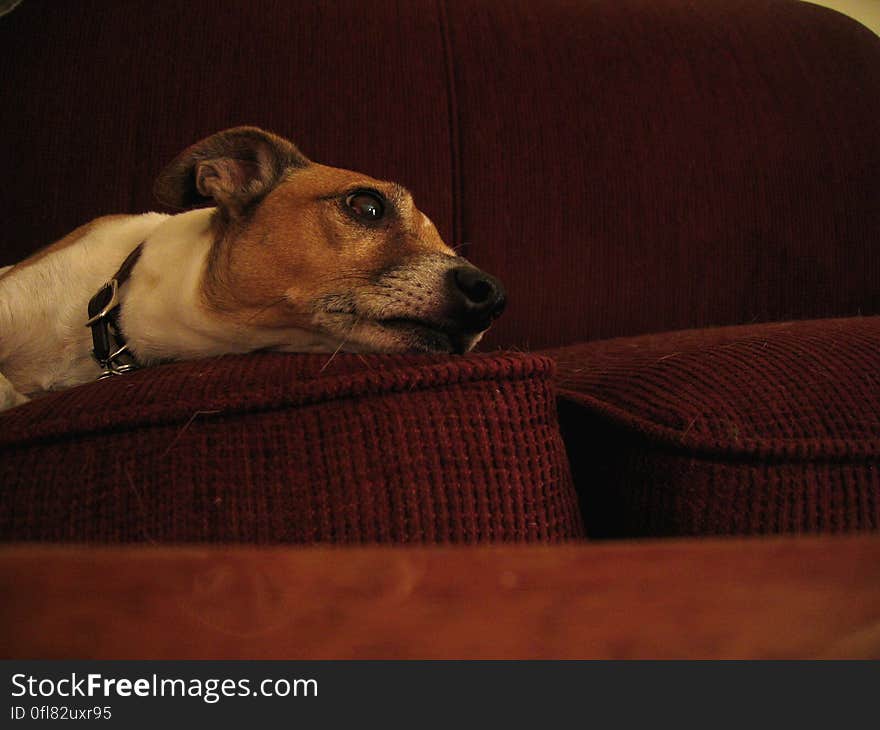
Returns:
(479,296)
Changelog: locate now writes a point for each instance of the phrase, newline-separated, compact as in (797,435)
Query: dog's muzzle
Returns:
(470,301)
(432,303)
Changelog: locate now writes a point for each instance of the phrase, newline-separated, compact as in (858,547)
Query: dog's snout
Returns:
(480,296)
(474,284)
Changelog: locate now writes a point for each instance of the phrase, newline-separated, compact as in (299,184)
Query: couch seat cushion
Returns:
(755,429)
(277,448)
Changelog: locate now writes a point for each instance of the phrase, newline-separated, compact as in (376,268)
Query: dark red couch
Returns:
(680,197)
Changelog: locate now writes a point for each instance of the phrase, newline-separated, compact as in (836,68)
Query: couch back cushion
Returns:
(624,166)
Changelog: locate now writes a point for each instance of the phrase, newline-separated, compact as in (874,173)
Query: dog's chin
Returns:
(427,337)
(409,335)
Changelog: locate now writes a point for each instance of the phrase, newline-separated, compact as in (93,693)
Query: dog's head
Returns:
(335,252)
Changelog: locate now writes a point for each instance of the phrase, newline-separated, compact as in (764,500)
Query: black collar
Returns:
(109,347)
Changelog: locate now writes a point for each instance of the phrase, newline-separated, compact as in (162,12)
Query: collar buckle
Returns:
(109,348)
(109,293)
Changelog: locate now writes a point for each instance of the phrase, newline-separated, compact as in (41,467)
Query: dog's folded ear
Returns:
(232,169)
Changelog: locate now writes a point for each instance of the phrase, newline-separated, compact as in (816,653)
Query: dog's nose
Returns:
(480,297)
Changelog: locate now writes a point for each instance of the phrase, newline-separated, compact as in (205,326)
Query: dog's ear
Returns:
(233,169)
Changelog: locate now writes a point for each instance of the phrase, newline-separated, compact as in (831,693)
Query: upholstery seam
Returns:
(236,410)
(454,124)
(794,450)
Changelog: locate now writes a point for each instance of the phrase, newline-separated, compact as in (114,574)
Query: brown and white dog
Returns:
(293,256)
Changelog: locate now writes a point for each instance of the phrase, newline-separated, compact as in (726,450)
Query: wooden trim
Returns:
(736,598)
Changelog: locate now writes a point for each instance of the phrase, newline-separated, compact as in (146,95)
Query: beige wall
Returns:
(866,12)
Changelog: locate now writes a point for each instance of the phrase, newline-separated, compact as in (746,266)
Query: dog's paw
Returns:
(9,396)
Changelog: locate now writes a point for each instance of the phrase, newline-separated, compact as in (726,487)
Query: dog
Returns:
(274,252)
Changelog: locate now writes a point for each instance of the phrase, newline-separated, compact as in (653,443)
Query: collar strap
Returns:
(108,344)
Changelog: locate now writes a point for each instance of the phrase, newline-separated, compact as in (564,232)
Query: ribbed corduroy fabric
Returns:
(288,449)
(623,166)
(741,430)
(635,166)
(107,93)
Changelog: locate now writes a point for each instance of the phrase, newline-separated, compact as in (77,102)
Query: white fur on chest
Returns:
(44,343)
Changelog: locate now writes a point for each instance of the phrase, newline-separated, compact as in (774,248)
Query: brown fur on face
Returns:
(289,252)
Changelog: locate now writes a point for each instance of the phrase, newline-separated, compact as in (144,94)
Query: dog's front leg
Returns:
(9,396)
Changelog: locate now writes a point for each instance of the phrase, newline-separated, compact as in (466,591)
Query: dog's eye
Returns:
(366,204)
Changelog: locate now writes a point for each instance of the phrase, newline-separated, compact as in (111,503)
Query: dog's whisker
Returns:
(275,303)
(265,309)
(341,344)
